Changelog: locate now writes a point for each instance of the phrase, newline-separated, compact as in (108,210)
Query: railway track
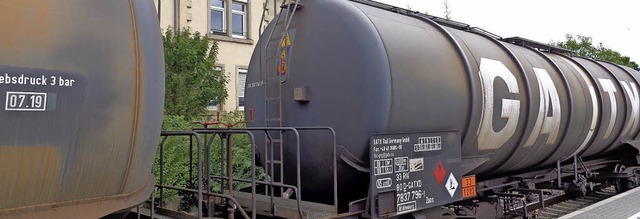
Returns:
(567,206)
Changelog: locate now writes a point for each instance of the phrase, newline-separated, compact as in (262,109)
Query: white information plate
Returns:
(25,101)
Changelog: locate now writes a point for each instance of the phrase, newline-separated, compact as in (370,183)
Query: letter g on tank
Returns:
(490,72)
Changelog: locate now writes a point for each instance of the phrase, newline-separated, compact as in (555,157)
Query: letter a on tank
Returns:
(549,112)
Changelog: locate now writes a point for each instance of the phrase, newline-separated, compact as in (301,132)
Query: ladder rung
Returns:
(273,84)
(277,37)
(272,78)
(275,161)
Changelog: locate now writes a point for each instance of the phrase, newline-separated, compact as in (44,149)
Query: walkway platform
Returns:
(624,206)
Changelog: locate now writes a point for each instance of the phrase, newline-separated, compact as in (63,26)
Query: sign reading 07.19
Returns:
(25,101)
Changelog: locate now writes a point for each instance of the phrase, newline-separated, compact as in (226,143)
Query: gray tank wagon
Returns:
(362,68)
(82,88)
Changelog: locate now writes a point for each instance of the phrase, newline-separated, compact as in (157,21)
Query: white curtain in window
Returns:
(242,80)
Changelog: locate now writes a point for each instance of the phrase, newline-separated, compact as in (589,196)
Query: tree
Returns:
(191,79)
(583,46)
(447,10)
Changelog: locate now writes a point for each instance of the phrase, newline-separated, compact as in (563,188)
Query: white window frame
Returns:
(244,18)
(240,71)
(224,16)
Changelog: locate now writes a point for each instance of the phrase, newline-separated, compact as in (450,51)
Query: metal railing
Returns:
(204,176)
(161,186)
(297,190)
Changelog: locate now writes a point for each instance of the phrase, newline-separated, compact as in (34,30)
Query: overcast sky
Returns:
(615,23)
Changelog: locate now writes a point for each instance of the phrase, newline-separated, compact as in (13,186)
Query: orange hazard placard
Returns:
(282,67)
(469,187)
(286,41)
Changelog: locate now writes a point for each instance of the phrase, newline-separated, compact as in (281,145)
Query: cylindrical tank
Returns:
(363,70)
(82,90)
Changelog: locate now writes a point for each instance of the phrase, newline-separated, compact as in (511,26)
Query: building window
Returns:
(239,19)
(218,16)
(242,79)
(213,104)
(234,25)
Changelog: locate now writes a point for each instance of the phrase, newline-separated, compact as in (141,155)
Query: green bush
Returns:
(176,159)
(175,155)
(241,150)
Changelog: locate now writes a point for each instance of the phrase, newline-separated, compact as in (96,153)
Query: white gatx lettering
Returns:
(488,138)
(549,112)
(634,98)
(594,108)
(610,89)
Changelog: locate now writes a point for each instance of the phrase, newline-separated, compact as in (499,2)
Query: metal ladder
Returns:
(273,82)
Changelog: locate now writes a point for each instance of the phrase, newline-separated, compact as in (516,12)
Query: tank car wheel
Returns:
(623,185)
(619,168)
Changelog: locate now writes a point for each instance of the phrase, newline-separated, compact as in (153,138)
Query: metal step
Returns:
(285,208)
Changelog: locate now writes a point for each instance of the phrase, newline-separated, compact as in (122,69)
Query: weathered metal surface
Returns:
(80,134)
(368,70)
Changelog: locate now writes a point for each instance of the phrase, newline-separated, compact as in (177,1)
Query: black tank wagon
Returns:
(82,91)
(428,112)
(365,68)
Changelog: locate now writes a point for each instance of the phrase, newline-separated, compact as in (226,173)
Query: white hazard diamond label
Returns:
(451,184)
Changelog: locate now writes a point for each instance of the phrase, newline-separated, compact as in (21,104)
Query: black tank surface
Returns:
(368,70)
(82,90)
